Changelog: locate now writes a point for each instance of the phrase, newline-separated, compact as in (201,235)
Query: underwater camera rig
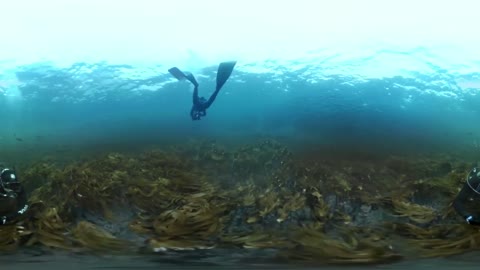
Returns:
(467,202)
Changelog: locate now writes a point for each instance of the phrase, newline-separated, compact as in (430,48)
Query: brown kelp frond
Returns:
(291,203)
(415,212)
(10,237)
(50,230)
(197,219)
(314,245)
(268,201)
(258,240)
(203,195)
(448,186)
(92,237)
(468,241)
(158,244)
(431,232)
(317,203)
(439,240)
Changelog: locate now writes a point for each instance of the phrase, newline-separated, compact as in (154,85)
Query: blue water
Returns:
(329,79)
(381,101)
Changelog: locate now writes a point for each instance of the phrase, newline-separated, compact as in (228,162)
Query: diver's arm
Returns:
(472,220)
(469,218)
(22,207)
(457,204)
(3,192)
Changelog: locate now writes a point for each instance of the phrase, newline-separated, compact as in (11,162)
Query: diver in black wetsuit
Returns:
(467,202)
(200,104)
(13,198)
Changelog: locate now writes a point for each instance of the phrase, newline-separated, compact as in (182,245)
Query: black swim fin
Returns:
(224,71)
(179,75)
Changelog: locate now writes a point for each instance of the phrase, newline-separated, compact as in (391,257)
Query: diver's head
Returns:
(467,201)
(473,180)
(196,115)
(9,180)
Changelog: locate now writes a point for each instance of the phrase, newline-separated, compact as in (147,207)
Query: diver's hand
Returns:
(3,219)
(468,219)
(8,193)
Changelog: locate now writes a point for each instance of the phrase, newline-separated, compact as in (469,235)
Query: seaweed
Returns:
(203,195)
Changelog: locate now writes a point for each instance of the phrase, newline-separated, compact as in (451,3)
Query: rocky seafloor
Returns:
(254,204)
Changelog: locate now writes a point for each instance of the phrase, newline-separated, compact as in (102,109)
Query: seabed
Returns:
(207,206)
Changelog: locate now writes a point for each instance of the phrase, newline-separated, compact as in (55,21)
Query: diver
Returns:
(467,202)
(200,104)
(13,198)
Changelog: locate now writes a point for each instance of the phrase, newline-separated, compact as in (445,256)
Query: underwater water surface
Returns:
(325,100)
(390,87)
(339,141)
